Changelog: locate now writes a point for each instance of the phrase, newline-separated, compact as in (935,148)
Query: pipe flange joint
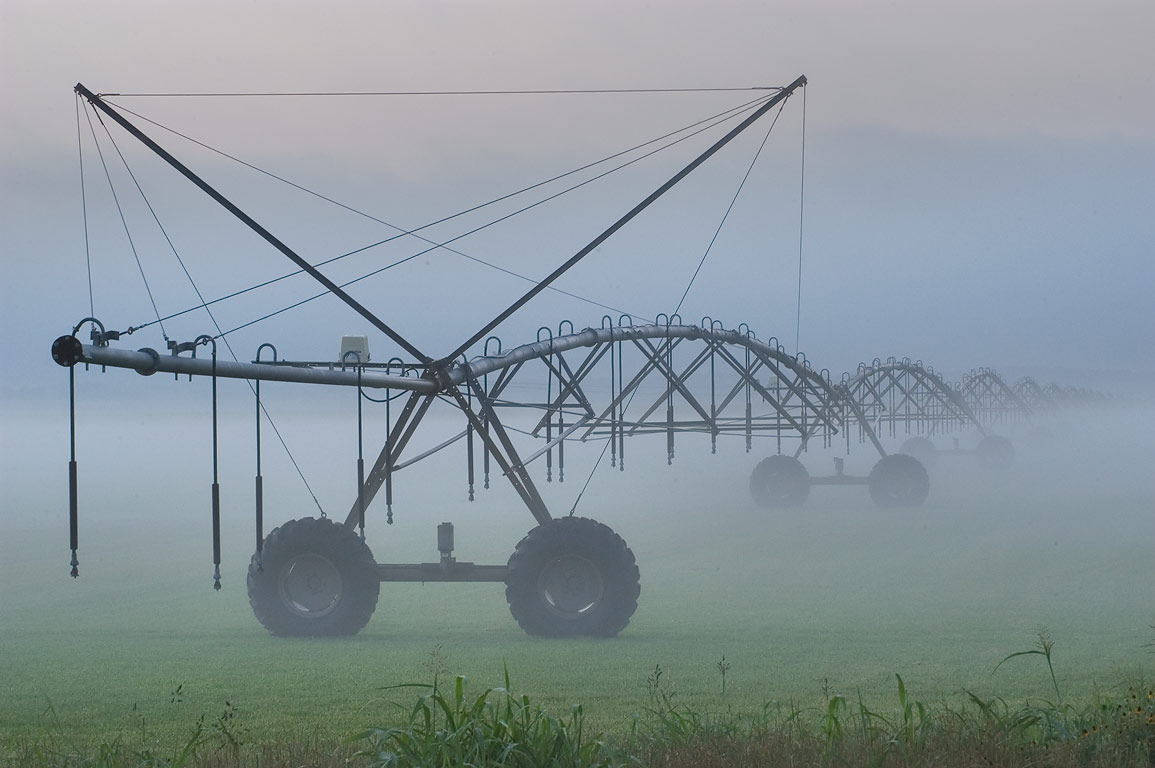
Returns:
(67,351)
(152,368)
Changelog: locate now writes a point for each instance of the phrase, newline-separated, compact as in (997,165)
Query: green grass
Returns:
(802,605)
(452,724)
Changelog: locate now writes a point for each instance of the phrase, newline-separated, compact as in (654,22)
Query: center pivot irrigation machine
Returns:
(569,575)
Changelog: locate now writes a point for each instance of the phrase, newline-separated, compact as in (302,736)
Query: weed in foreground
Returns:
(723,667)
(499,728)
(219,741)
(1043,647)
(495,727)
(990,733)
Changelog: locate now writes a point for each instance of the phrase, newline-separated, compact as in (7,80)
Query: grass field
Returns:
(835,597)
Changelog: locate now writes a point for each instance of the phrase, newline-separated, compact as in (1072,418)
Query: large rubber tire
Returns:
(318,578)
(922,449)
(995,452)
(572,576)
(780,481)
(898,480)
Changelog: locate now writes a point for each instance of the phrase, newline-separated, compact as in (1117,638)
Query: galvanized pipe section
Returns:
(991,399)
(148,361)
(592,336)
(935,403)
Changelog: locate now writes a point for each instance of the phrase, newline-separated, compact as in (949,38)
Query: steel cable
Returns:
(119,210)
(84,209)
(801,209)
(729,208)
(717,118)
(486,225)
(540,92)
(212,318)
(581,493)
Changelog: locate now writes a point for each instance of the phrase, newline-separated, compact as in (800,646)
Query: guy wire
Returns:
(801,210)
(204,304)
(84,209)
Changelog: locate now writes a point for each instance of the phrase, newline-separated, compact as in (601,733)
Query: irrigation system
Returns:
(598,386)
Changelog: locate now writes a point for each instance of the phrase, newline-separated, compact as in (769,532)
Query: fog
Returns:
(837,592)
(145,470)
(978,188)
(1058,540)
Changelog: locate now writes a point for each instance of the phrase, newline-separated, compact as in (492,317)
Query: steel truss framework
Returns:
(696,379)
(458,382)
(685,378)
(992,399)
(691,379)
(903,393)
(1031,392)
(1056,395)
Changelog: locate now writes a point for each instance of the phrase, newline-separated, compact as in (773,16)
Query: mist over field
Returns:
(837,595)
(960,185)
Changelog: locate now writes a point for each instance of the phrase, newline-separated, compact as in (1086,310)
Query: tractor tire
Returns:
(572,576)
(898,480)
(995,452)
(922,449)
(780,481)
(315,578)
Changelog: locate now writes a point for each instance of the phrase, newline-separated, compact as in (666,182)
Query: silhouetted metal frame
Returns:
(248,221)
(992,399)
(487,425)
(904,392)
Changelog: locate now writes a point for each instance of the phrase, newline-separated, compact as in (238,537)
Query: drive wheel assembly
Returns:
(995,452)
(572,576)
(780,481)
(898,480)
(315,577)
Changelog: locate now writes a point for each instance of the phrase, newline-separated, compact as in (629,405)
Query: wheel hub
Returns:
(902,487)
(571,585)
(310,585)
(778,485)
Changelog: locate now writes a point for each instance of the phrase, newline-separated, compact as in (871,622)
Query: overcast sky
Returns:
(980,176)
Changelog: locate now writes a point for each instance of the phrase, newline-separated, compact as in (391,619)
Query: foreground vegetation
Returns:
(450,725)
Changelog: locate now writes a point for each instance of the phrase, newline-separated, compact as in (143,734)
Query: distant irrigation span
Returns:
(522,407)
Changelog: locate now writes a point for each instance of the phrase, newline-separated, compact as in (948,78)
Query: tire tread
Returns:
(622,578)
(351,555)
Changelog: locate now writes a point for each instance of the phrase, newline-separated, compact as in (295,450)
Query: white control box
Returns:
(358,344)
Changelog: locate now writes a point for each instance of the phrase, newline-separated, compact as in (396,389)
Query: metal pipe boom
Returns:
(148,361)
